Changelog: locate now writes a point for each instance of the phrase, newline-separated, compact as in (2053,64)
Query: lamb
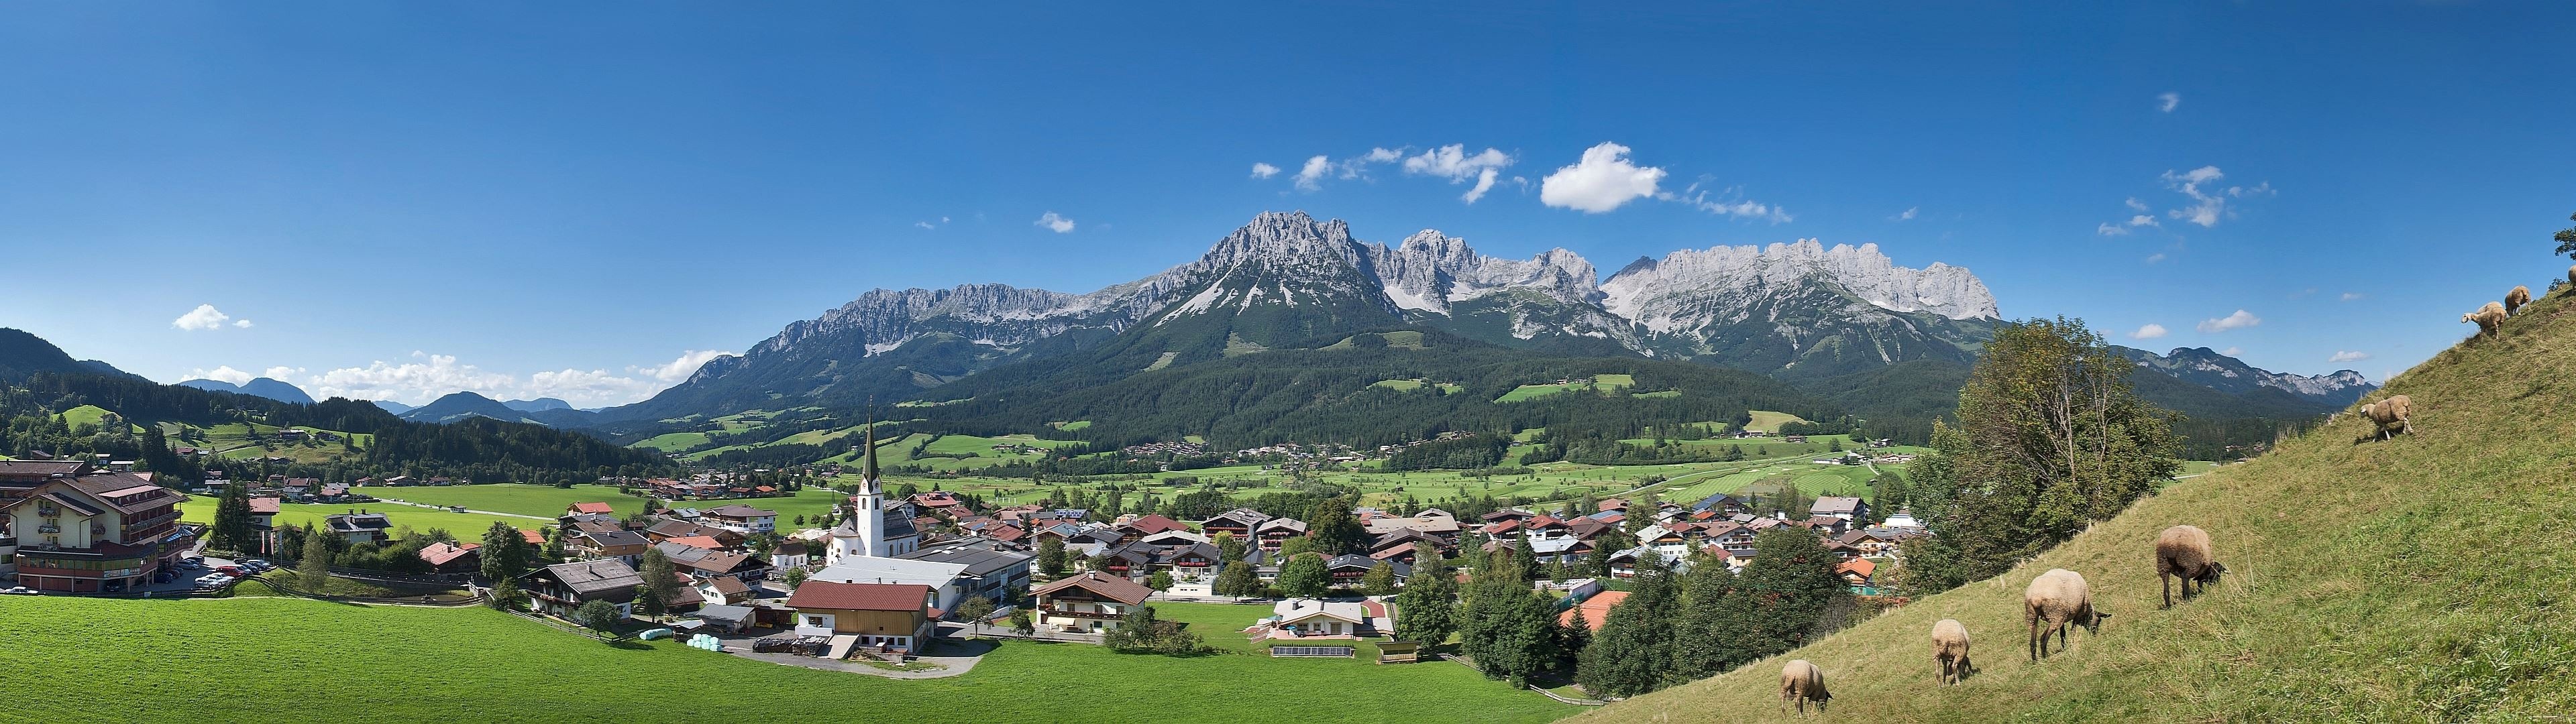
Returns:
(2489,318)
(1804,682)
(1950,650)
(2054,600)
(2183,552)
(2514,300)
(2391,415)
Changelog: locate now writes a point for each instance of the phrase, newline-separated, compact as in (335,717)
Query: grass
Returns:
(543,501)
(1074,426)
(1599,382)
(2423,578)
(1416,384)
(166,655)
(673,441)
(1769,421)
(91,415)
(465,526)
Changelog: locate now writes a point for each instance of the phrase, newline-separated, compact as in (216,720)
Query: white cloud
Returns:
(2155,257)
(241,324)
(1056,223)
(1382,155)
(2240,320)
(1603,180)
(1909,213)
(2232,351)
(222,373)
(2144,220)
(678,370)
(1484,182)
(2343,356)
(204,318)
(280,372)
(1263,170)
(2136,205)
(1452,162)
(2151,331)
(1739,207)
(2106,229)
(2208,204)
(2166,101)
(2352,296)
(1310,177)
(924,224)
(430,376)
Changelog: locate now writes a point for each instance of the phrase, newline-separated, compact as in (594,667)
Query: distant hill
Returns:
(540,404)
(23,354)
(394,407)
(458,406)
(258,387)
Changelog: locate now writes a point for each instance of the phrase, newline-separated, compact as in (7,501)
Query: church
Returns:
(870,532)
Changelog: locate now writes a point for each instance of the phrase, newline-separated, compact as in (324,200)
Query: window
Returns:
(813,620)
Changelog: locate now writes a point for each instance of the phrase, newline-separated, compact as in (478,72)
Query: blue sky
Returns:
(410,199)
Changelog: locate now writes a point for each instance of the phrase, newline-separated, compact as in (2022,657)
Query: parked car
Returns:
(21,591)
(194,560)
(235,571)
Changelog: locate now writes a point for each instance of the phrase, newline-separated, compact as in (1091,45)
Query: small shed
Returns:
(1398,652)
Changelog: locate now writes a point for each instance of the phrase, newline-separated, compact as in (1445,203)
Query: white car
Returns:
(21,591)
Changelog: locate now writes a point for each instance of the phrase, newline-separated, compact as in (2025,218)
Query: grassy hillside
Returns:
(426,664)
(2425,578)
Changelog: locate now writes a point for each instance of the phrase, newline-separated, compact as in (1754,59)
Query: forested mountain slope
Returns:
(2423,578)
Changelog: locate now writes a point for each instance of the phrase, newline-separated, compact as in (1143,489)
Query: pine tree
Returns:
(661,584)
(313,570)
(1798,596)
(232,527)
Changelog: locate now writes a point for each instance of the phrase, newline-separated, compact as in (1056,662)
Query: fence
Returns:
(1313,651)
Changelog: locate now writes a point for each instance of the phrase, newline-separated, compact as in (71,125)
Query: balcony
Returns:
(1070,613)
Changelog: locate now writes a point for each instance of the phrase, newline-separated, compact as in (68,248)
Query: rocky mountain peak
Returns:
(1941,289)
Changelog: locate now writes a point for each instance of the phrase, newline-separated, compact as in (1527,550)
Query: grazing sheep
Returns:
(2392,415)
(2183,552)
(2489,318)
(1804,682)
(2054,600)
(1950,650)
(2514,300)
(2571,278)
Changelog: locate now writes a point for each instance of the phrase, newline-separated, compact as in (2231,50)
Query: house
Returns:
(560,588)
(1903,518)
(1595,609)
(893,617)
(702,563)
(1239,522)
(1137,529)
(988,569)
(669,529)
(1090,602)
(725,591)
(1347,569)
(1275,532)
(1306,618)
(943,578)
(1847,508)
(1435,522)
(84,531)
(263,522)
(1856,571)
(727,618)
(620,545)
(695,541)
(740,518)
(361,527)
(1722,503)
(790,554)
(589,509)
(445,557)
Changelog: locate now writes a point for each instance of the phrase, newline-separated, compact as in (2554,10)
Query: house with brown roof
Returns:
(89,532)
(589,509)
(1091,602)
(1239,521)
(445,557)
(560,588)
(1275,532)
(621,545)
(888,616)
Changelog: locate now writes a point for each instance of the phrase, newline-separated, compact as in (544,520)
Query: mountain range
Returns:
(256,387)
(1825,318)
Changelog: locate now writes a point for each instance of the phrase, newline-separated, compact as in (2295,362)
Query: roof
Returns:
(593,508)
(1298,609)
(534,538)
(738,510)
(1110,587)
(125,493)
(1835,504)
(606,575)
(40,468)
(729,585)
(1862,566)
(264,505)
(1152,524)
(979,559)
(438,554)
(1290,524)
(726,613)
(870,569)
(615,539)
(697,541)
(860,596)
(1596,610)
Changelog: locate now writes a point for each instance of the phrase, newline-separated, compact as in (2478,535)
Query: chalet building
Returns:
(1091,602)
(702,563)
(1135,530)
(444,557)
(1308,618)
(986,569)
(263,523)
(669,529)
(725,591)
(1851,510)
(740,518)
(84,531)
(1348,569)
(790,554)
(1275,532)
(1435,522)
(578,509)
(358,527)
(622,546)
(1239,521)
(560,588)
(891,617)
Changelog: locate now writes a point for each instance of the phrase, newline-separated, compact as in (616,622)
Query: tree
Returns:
(1380,580)
(313,570)
(554,552)
(1160,581)
(1228,548)
(661,584)
(504,553)
(1797,596)
(794,577)
(506,596)
(1305,576)
(1051,557)
(1525,559)
(1427,610)
(597,615)
(1237,579)
(1633,652)
(2050,438)
(1334,529)
(232,528)
(1508,629)
(1298,546)
(2567,238)
(975,609)
(1021,622)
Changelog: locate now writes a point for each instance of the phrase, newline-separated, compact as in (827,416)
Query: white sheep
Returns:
(1803,682)
(2489,318)
(2392,415)
(2054,600)
(1950,650)
(2514,300)
(2183,552)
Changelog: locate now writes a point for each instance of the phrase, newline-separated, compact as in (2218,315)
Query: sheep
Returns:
(1950,650)
(2054,600)
(2489,318)
(2571,279)
(2392,415)
(2183,552)
(1804,682)
(2514,300)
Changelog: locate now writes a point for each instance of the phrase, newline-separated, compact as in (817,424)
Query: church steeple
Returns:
(870,521)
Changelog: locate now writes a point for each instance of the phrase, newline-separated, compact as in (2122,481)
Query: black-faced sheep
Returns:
(1950,650)
(2514,300)
(2054,600)
(2489,318)
(2183,552)
(1802,682)
(2392,415)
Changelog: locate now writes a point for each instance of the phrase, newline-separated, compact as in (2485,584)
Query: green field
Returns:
(1599,382)
(673,441)
(899,452)
(2420,578)
(465,526)
(430,664)
(1768,421)
(1416,384)
(543,501)
(91,415)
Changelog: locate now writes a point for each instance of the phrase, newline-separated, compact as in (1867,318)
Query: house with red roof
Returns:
(1595,609)
(590,509)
